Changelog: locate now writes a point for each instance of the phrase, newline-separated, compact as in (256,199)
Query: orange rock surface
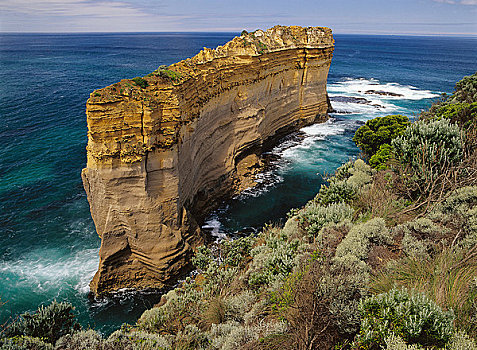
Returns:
(162,149)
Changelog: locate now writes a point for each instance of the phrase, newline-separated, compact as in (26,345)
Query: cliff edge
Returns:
(162,149)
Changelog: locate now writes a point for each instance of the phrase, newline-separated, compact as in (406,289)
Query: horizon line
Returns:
(233,32)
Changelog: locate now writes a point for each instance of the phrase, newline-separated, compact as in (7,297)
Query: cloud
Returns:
(70,8)
(458,2)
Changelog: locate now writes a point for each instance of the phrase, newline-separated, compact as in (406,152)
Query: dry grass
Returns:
(447,278)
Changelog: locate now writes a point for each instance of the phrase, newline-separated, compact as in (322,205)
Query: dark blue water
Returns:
(48,245)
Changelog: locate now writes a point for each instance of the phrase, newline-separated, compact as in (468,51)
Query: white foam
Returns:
(214,226)
(358,87)
(50,270)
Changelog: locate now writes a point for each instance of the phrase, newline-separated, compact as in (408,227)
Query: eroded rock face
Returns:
(162,150)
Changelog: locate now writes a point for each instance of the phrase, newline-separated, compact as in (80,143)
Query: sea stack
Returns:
(164,148)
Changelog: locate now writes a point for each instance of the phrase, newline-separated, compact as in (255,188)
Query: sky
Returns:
(413,17)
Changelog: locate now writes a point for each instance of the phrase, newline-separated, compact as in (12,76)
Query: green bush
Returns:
(141,82)
(429,148)
(379,131)
(410,315)
(234,252)
(24,343)
(48,323)
(464,114)
(381,157)
(202,258)
(465,90)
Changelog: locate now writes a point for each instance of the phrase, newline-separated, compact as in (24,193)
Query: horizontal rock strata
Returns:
(162,149)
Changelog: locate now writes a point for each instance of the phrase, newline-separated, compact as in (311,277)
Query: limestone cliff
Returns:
(161,149)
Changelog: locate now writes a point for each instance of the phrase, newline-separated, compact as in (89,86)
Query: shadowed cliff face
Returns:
(162,150)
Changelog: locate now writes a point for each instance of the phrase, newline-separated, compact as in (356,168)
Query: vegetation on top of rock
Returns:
(141,82)
(166,73)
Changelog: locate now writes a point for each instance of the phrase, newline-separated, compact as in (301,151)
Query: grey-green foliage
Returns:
(350,273)
(460,208)
(347,183)
(429,147)
(234,252)
(202,258)
(410,315)
(137,340)
(418,235)
(48,322)
(461,341)
(275,259)
(82,340)
(24,343)
(237,306)
(353,250)
(316,216)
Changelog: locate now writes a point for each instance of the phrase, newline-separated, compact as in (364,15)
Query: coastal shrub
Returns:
(448,278)
(410,315)
(48,322)
(141,82)
(191,338)
(336,192)
(465,90)
(381,157)
(236,251)
(345,186)
(82,340)
(202,258)
(24,343)
(137,340)
(379,131)
(353,250)
(464,114)
(459,209)
(316,216)
(429,148)
(275,259)
(166,73)
(237,306)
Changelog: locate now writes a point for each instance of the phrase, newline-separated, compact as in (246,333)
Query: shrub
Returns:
(234,252)
(463,114)
(141,82)
(137,340)
(379,131)
(336,192)
(24,343)
(316,216)
(166,73)
(429,148)
(345,186)
(410,315)
(381,157)
(48,322)
(81,340)
(447,278)
(275,259)
(353,250)
(202,258)
(465,90)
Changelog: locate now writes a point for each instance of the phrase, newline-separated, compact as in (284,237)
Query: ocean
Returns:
(48,244)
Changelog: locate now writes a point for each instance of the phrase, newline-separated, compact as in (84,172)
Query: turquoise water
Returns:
(48,245)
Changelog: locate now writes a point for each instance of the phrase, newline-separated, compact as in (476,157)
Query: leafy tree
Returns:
(379,131)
